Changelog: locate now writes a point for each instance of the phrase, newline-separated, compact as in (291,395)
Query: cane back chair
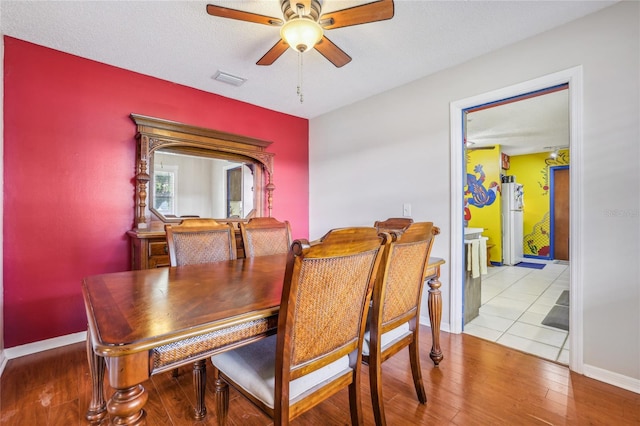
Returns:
(263,236)
(200,241)
(395,313)
(317,349)
(397,224)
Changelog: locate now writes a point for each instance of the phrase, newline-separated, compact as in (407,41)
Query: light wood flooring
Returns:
(477,383)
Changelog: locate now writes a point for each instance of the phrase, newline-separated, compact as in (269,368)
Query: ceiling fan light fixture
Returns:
(301,34)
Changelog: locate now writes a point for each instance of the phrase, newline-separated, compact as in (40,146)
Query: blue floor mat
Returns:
(530,265)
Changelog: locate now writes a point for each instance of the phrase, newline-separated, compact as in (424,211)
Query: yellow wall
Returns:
(487,194)
(533,172)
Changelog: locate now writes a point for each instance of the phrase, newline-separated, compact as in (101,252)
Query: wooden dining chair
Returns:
(395,312)
(263,236)
(317,348)
(200,241)
(393,224)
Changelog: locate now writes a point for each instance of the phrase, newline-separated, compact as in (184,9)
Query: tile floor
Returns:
(514,301)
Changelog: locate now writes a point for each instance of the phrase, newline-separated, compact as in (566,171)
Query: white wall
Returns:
(369,158)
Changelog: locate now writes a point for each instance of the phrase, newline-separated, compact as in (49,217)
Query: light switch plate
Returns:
(406,210)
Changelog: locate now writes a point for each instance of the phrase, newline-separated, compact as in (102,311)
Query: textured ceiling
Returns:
(526,126)
(178,41)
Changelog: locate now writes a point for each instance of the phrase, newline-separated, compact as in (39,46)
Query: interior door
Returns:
(560,213)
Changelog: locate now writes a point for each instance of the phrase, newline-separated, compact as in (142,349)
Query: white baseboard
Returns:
(612,378)
(44,345)
(3,362)
(443,326)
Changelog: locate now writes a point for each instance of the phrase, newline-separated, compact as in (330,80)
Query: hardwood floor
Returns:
(478,383)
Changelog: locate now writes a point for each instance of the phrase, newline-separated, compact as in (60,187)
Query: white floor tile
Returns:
(516,272)
(532,318)
(492,322)
(564,357)
(561,284)
(565,347)
(514,301)
(529,346)
(531,286)
(551,295)
(546,335)
(498,282)
(516,294)
(482,332)
(488,293)
(541,306)
(504,307)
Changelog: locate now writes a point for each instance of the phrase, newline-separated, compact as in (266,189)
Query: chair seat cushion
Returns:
(252,368)
(387,338)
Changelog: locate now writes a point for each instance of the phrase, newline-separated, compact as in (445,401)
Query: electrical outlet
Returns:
(406,210)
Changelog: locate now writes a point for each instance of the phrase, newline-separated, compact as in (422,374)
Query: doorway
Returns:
(560,212)
(573,77)
(516,144)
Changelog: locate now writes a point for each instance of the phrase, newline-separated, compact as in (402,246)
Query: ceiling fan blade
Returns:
(370,12)
(274,53)
(333,53)
(240,15)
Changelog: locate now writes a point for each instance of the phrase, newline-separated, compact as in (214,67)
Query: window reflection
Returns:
(164,195)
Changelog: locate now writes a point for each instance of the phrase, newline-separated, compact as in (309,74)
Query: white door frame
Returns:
(574,77)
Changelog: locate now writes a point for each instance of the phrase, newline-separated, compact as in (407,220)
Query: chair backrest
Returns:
(325,300)
(200,241)
(263,236)
(393,224)
(434,231)
(397,294)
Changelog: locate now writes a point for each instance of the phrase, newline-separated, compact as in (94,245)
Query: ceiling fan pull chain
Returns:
(300,95)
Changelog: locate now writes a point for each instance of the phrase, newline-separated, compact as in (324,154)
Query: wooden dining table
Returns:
(148,321)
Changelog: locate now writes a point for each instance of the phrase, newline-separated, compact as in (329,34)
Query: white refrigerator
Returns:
(512,223)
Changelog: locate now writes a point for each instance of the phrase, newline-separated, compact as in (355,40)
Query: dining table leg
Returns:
(125,406)
(200,385)
(126,375)
(435,316)
(97,407)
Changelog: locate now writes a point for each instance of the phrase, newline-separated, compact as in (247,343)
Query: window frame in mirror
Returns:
(155,134)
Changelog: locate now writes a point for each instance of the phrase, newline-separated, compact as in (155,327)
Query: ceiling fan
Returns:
(303,25)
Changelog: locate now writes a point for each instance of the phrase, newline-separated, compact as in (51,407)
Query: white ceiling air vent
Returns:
(229,79)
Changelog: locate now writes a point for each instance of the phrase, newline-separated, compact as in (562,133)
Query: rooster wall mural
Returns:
(477,194)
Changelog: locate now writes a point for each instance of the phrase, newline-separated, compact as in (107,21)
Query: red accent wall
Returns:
(69,162)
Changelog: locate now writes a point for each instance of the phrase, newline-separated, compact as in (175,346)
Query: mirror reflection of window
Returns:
(164,199)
